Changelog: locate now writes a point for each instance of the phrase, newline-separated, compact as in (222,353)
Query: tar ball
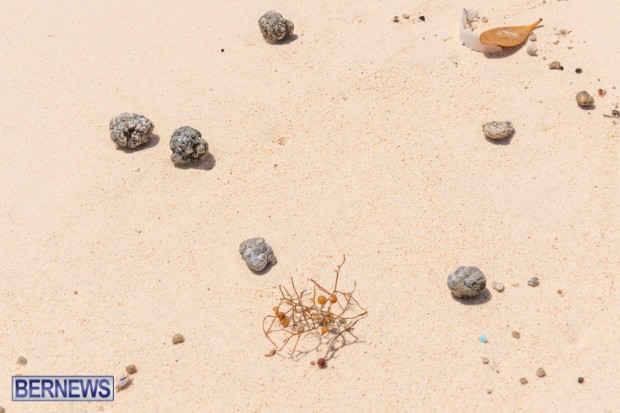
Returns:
(274,27)
(466,282)
(130,130)
(257,253)
(187,145)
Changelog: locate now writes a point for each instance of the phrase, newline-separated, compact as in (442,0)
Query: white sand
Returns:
(384,161)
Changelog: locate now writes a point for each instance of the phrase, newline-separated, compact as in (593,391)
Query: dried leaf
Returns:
(507,36)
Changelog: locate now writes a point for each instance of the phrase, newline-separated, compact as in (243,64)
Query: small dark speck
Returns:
(578,70)
(422,18)
(222,50)
(580,379)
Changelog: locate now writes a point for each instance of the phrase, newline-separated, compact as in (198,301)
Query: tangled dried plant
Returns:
(320,318)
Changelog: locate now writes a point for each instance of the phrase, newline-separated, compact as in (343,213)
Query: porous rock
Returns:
(274,27)
(466,282)
(130,130)
(257,253)
(187,145)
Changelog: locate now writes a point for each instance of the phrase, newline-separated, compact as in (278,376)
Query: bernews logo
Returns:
(63,388)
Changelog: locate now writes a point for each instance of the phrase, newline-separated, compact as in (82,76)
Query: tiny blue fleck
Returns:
(483,339)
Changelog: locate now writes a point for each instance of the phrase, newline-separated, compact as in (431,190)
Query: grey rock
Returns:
(257,253)
(274,27)
(187,145)
(466,282)
(533,282)
(541,372)
(130,130)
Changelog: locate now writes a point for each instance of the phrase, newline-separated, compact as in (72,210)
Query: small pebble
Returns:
(422,18)
(178,338)
(485,360)
(483,339)
(322,363)
(21,360)
(584,99)
(2,409)
(484,19)
(395,19)
(444,36)
(532,50)
(533,282)
(555,65)
(578,70)
(560,292)
(489,391)
(498,286)
(515,284)
(523,380)
(580,380)
(533,37)
(498,130)
(541,372)
(516,334)
(257,253)
(131,369)
(406,16)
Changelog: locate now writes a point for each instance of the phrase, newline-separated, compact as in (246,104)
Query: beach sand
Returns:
(360,137)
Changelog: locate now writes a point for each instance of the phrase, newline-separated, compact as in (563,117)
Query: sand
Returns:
(360,137)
